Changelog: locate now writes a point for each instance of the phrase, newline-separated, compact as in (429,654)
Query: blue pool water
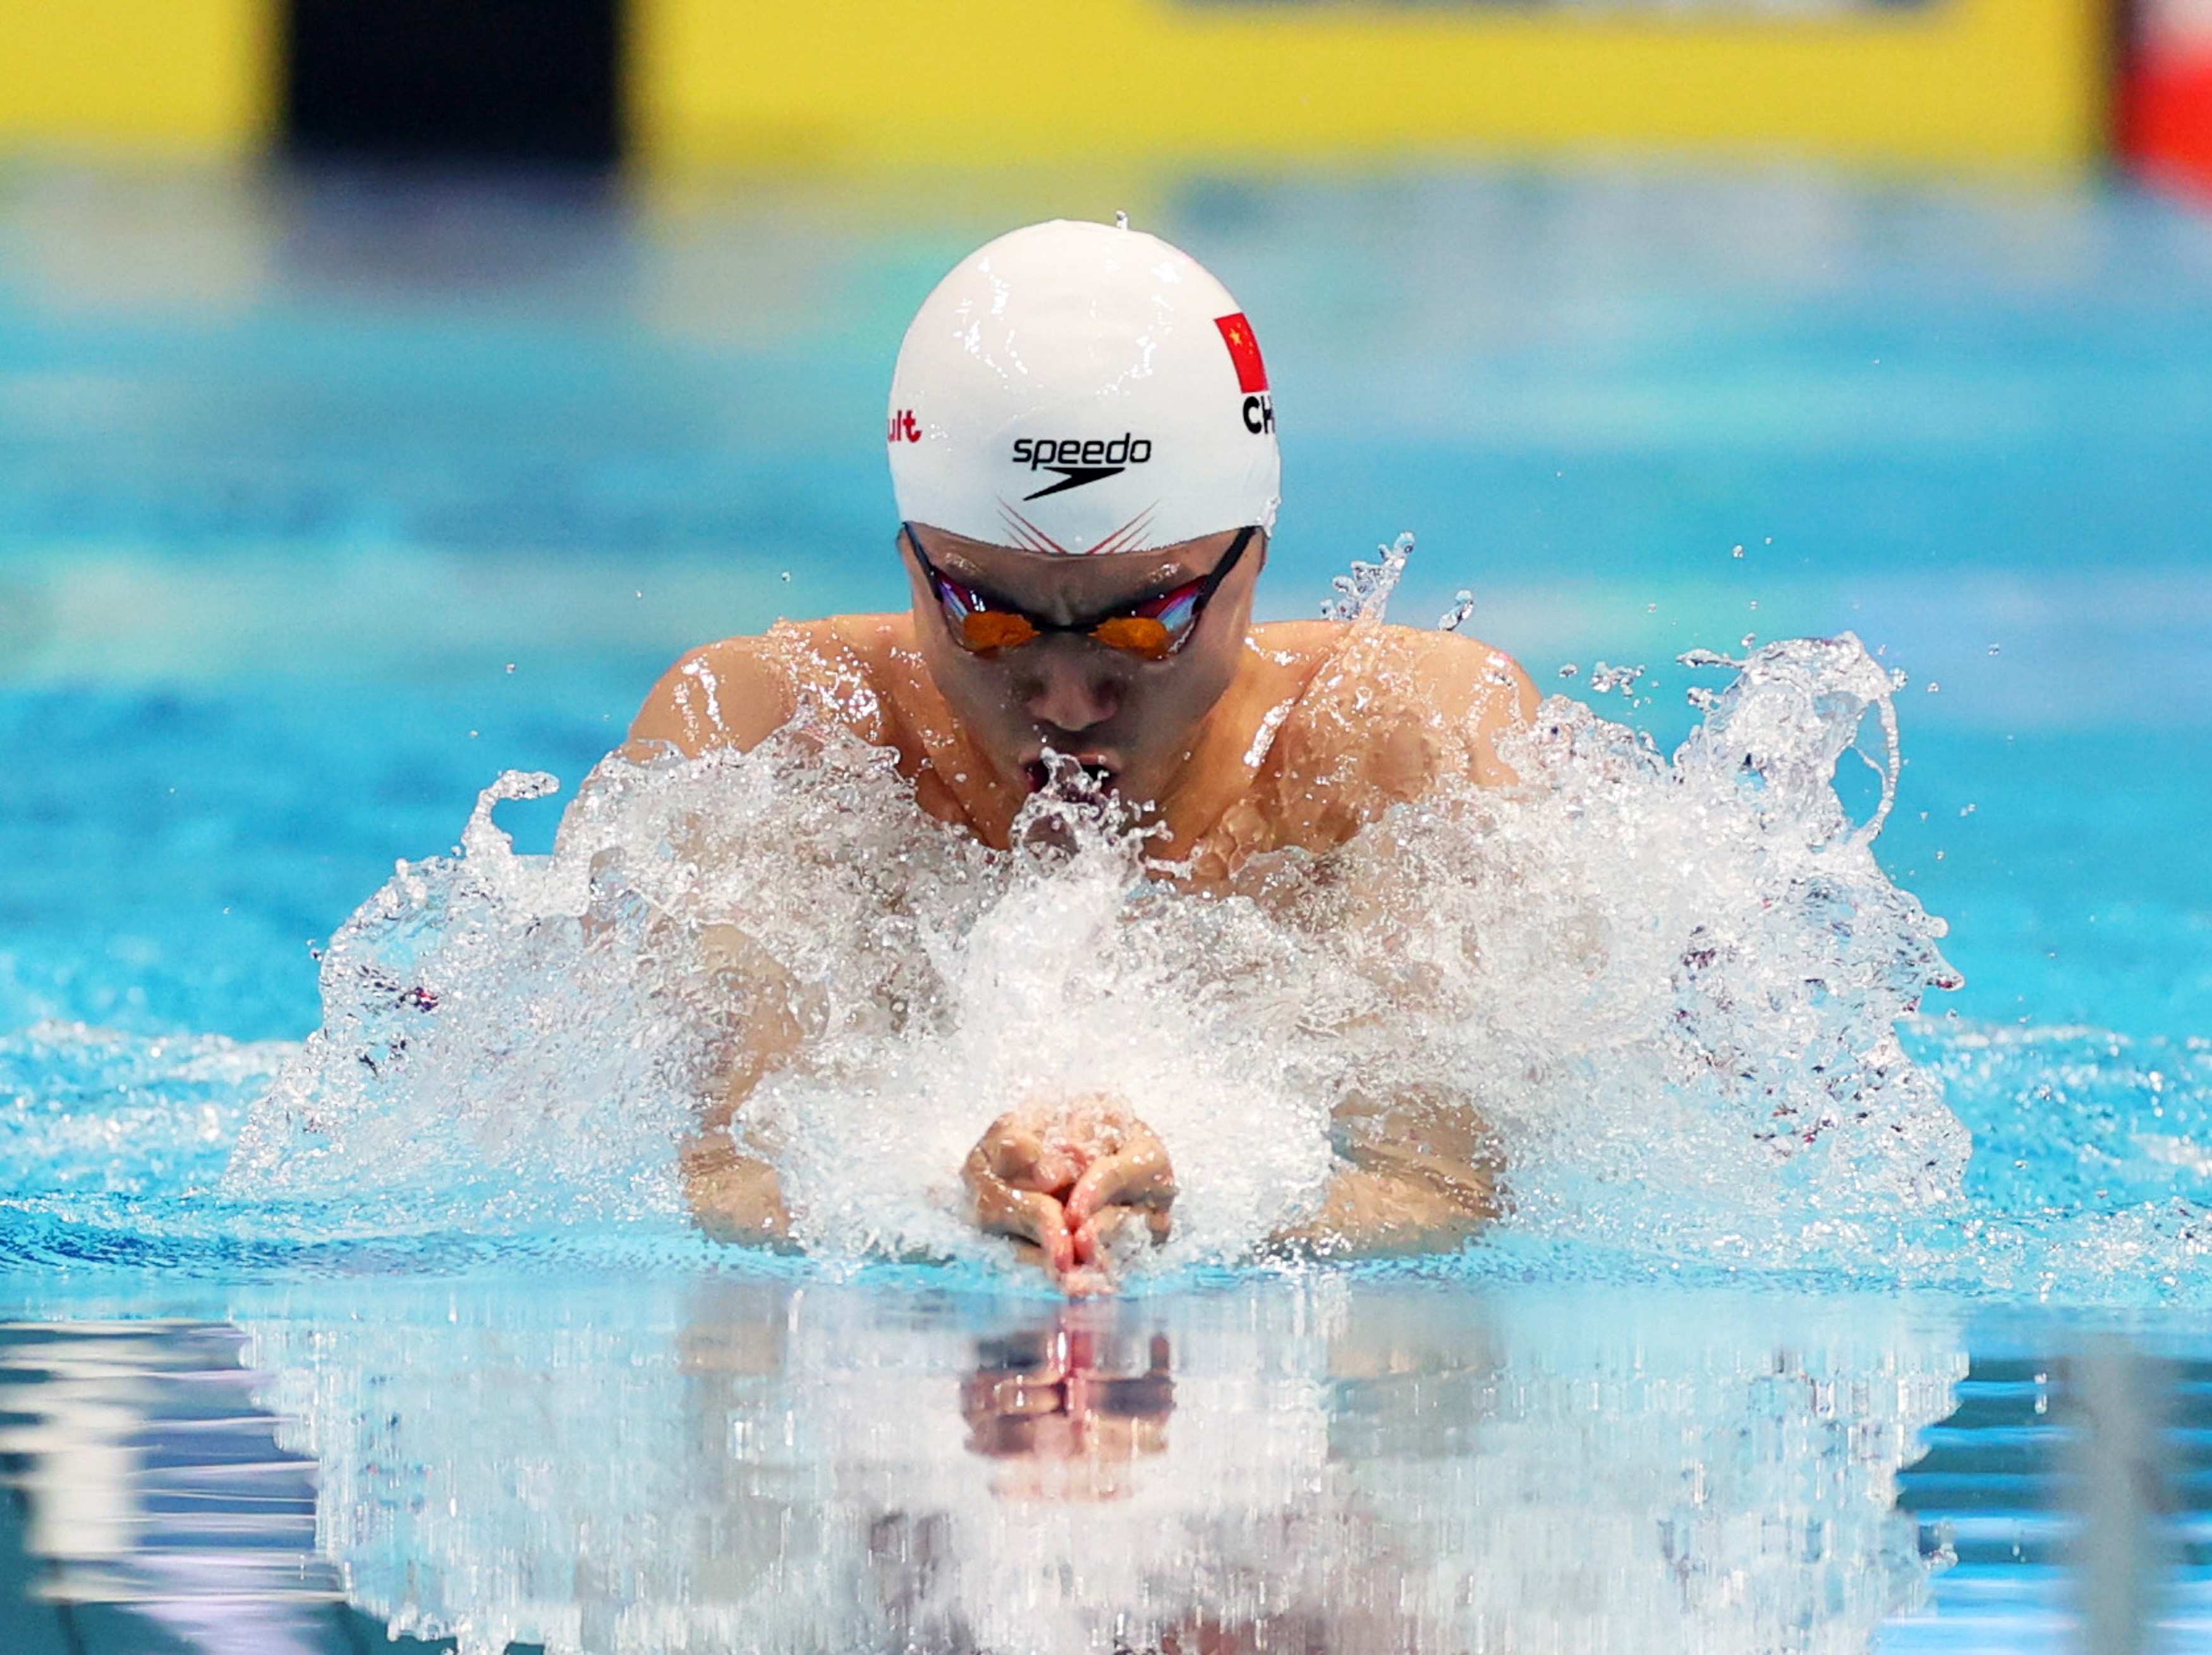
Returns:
(324,500)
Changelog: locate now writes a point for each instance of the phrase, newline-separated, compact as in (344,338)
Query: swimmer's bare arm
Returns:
(1395,710)
(1422,1173)
(734,1193)
(726,694)
(1419,1176)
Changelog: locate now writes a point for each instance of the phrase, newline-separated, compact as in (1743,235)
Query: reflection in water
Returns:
(1312,1465)
(1068,1417)
(743,1465)
(153,1481)
(2071,1490)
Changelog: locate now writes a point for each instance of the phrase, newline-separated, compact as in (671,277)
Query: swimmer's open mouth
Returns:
(1038,777)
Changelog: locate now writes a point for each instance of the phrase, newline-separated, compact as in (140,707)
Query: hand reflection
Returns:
(1068,1408)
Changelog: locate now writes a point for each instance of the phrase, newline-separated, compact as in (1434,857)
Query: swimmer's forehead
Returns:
(1013,570)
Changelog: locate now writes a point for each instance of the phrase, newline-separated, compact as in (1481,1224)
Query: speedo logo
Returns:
(1079,461)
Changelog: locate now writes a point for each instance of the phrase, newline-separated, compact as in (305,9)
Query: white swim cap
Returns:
(1082,388)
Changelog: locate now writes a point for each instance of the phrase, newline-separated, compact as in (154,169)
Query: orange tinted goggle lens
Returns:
(996,629)
(1140,634)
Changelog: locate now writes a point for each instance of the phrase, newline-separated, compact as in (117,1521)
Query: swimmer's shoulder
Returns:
(738,692)
(1459,678)
(1448,672)
(1298,644)
(1376,680)
(729,694)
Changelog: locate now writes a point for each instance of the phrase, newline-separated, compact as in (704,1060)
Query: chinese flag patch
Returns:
(1243,350)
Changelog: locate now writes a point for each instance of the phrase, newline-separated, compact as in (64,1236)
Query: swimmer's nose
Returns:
(1070,693)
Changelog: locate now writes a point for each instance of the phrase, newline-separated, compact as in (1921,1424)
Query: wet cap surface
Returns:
(1082,389)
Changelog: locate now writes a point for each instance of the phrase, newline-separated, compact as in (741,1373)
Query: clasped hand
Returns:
(1068,1184)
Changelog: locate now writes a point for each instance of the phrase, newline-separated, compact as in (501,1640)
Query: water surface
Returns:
(324,500)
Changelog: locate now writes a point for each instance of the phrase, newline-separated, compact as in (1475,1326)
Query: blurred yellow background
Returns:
(169,75)
(999,81)
(875,83)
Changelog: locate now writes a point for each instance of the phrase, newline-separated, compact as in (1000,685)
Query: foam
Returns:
(1671,987)
(1679,989)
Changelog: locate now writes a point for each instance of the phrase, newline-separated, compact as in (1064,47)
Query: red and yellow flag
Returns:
(1243,350)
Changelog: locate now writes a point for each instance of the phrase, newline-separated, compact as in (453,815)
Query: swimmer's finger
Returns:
(1000,1207)
(1095,1237)
(1140,1176)
(1024,1214)
(1016,1152)
(1016,1147)
(1032,1219)
(1028,1252)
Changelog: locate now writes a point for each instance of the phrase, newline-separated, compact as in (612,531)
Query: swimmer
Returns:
(1082,441)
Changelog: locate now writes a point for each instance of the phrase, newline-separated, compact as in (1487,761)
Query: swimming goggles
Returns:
(1154,628)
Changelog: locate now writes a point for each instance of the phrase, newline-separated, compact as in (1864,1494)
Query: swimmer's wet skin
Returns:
(1083,445)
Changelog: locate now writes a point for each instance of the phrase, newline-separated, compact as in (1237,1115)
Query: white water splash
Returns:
(1671,989)
(1364,593)
(1727,1074)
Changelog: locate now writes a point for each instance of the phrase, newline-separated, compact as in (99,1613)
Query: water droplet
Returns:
(1569,670)
(1364,593)
(1735,552)
(786,574)
(1933,687)
(1993,649)
(1750,640)
(510,667)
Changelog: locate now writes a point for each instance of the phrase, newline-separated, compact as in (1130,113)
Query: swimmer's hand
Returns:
(734,1197)
(1069,1183)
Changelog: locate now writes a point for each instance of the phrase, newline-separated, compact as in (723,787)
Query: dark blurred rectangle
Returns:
(495,80)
